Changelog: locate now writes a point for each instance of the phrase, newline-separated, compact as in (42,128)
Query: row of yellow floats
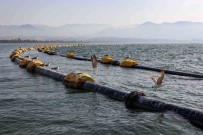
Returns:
(108,60)
(16,53)
(24,62)
(124,63)
(73,79)
(105,60)
(47,51)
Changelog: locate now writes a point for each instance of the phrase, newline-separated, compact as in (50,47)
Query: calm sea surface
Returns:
(32,104)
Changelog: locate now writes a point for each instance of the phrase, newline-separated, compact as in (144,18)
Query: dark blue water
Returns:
(35,104)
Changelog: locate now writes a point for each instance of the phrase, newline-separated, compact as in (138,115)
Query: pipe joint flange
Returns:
(131,98)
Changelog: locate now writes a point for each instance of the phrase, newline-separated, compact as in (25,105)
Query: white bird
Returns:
(46,64)
(159,80)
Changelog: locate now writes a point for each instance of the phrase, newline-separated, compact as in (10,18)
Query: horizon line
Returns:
(97,23)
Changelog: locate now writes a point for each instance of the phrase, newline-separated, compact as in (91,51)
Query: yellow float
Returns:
(75,79)
(107,59)
(31,66)
(128,63)
(13,58)
(70,55)
(52,52)
(45,51)
(24,63)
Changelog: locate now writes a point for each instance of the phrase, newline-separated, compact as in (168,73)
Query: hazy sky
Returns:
(113,12)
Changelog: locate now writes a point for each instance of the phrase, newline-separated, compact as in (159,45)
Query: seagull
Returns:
(127,57)
(159,80)
(27,56)
(94,61)
(46,64)
(35,57)
(55,68)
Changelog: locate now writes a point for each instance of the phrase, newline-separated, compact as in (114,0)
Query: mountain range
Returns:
(181,30)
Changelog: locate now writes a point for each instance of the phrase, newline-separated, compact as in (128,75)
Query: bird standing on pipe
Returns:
(55,68)
(46,64)
(27,56)
(35,58)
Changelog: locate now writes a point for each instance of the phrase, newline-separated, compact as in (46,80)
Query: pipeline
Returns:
(138,100)
(118,95)
(46,72)
(134,100)
(80,58)
(117,63)
(50,73)
(62,55)
(194,116)
(17,60)
(170,72)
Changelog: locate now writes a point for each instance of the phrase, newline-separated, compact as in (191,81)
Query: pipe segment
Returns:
(81,58)
(115,94)
(17,60)
(194,116)
(50,73)
(117,63)
(170,72)
(139,101)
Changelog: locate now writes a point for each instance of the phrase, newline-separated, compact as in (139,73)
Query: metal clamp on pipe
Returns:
(131,98)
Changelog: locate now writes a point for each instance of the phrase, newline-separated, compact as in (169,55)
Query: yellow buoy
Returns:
(17,52)
(75,79)
(31,66)
(45,51)
(24,63)
(31,48)
(52,52)
(128,63)
(13,58)
(106,60)
(70,55)
(23,49)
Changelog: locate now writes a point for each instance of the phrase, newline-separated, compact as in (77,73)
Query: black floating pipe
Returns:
(170,72)
(50,73)
(194,116)
(17,60)
(81,58)
(62,55)
(118,95)
(117,63)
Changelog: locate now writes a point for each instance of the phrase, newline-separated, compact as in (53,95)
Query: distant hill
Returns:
(181,30)
(43,32)
(171,31)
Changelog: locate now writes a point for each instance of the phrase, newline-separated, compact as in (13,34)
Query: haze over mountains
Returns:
(182,30)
